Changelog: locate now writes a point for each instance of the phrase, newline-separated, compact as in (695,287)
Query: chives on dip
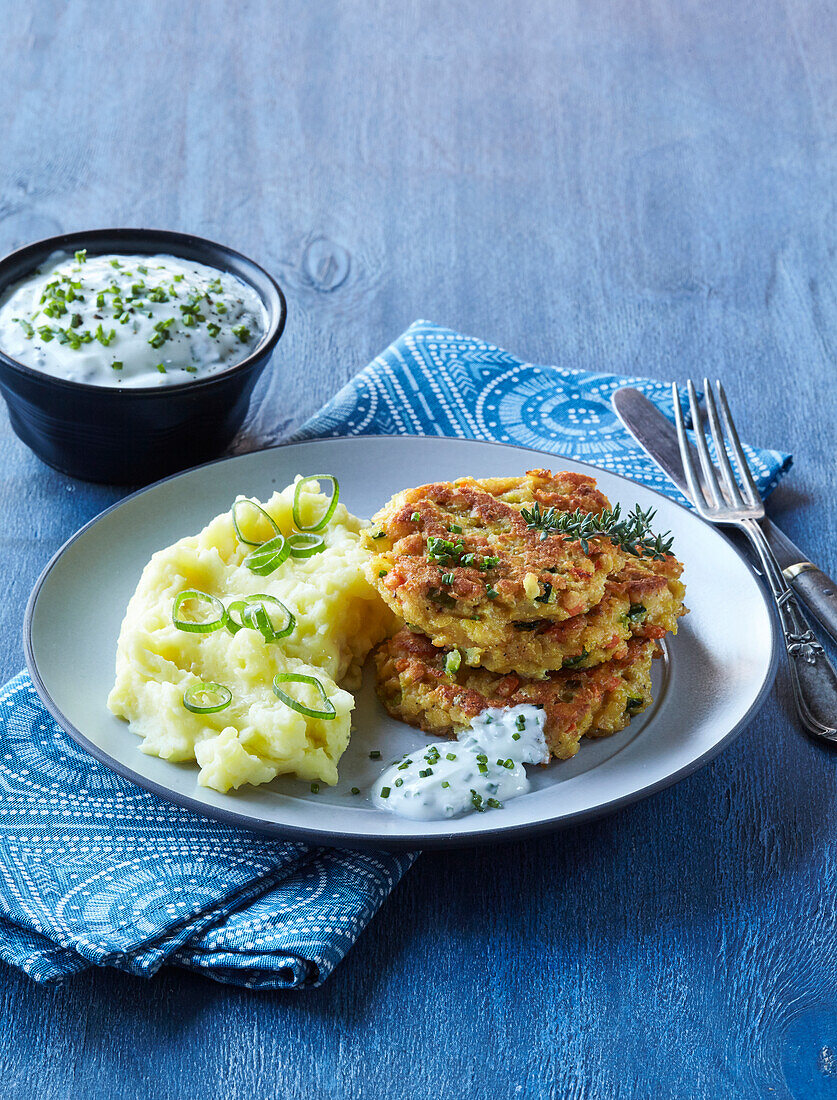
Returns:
(479,771)
(130,320)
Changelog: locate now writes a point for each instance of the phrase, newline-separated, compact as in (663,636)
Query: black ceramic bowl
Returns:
(132,436)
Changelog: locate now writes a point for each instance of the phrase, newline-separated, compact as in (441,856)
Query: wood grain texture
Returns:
(627,185)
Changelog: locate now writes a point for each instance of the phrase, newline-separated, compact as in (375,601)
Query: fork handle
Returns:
(813,678)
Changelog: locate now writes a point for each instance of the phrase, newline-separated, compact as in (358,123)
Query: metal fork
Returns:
(813,678)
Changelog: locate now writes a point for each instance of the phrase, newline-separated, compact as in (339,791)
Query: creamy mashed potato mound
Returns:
(339,617)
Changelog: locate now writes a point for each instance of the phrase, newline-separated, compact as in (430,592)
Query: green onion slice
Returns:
(255,614)
(192,626)
(267,558)
(231,624)
(300,708)
(329,512)
(253,504)
(206,698)
(305,545)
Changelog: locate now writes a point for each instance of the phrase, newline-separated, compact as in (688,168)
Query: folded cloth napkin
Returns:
(97,871)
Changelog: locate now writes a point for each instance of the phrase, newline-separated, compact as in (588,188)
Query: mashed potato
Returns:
(339,617)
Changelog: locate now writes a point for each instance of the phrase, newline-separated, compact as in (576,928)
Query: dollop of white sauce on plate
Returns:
(482,769)
(129,321)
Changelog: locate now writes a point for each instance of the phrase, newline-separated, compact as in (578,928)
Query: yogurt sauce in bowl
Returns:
(130,320)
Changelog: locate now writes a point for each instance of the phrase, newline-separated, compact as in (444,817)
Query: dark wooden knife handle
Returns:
(818,591)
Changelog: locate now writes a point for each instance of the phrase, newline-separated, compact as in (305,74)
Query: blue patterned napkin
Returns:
(97,871)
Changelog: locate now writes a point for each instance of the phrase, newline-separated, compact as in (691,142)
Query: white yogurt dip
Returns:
(129,320)
(480,770)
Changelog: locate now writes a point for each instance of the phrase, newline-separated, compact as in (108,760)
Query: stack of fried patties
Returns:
(509,593)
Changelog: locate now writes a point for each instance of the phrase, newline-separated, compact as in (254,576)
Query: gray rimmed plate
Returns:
(715,675)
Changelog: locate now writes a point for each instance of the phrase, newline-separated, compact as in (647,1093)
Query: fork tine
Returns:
(709,475)
(698,495)
(751,490)
(720,447)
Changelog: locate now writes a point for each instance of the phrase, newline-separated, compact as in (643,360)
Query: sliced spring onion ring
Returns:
(231,624)
(329,512)
(255,614)
(258,619)
(219,698)
(253,504)
(269,556)
(305,545)
(300,708)
(191,626)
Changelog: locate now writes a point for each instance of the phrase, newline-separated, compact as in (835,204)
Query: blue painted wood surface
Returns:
(631,185)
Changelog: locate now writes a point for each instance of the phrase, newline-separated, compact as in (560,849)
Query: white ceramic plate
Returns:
(716,673)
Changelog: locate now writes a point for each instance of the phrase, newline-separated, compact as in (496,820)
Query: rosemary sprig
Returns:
(633,533)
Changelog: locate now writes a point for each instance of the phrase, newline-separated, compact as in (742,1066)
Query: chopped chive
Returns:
(117,364)
(375,754)
(424,774)
(399,782)
(242,332)
(355,790)
(445,783)
(494,804)
(385,792)
(103,337)
(515,737)
(450,756)
(161,367)
(81,256)
(315,788)
(382,572)
(455,529)
(491,592)
(415,517)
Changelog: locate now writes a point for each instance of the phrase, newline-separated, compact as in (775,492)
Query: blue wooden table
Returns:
(626,185)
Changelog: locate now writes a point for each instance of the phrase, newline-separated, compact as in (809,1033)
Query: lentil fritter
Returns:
(417,685)
(460,563)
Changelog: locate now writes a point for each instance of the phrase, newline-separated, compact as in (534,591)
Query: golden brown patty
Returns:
(458,561)
(510,613)
(414,687)
(644,600)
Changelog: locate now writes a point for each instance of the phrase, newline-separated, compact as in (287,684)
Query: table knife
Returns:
(658,438)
